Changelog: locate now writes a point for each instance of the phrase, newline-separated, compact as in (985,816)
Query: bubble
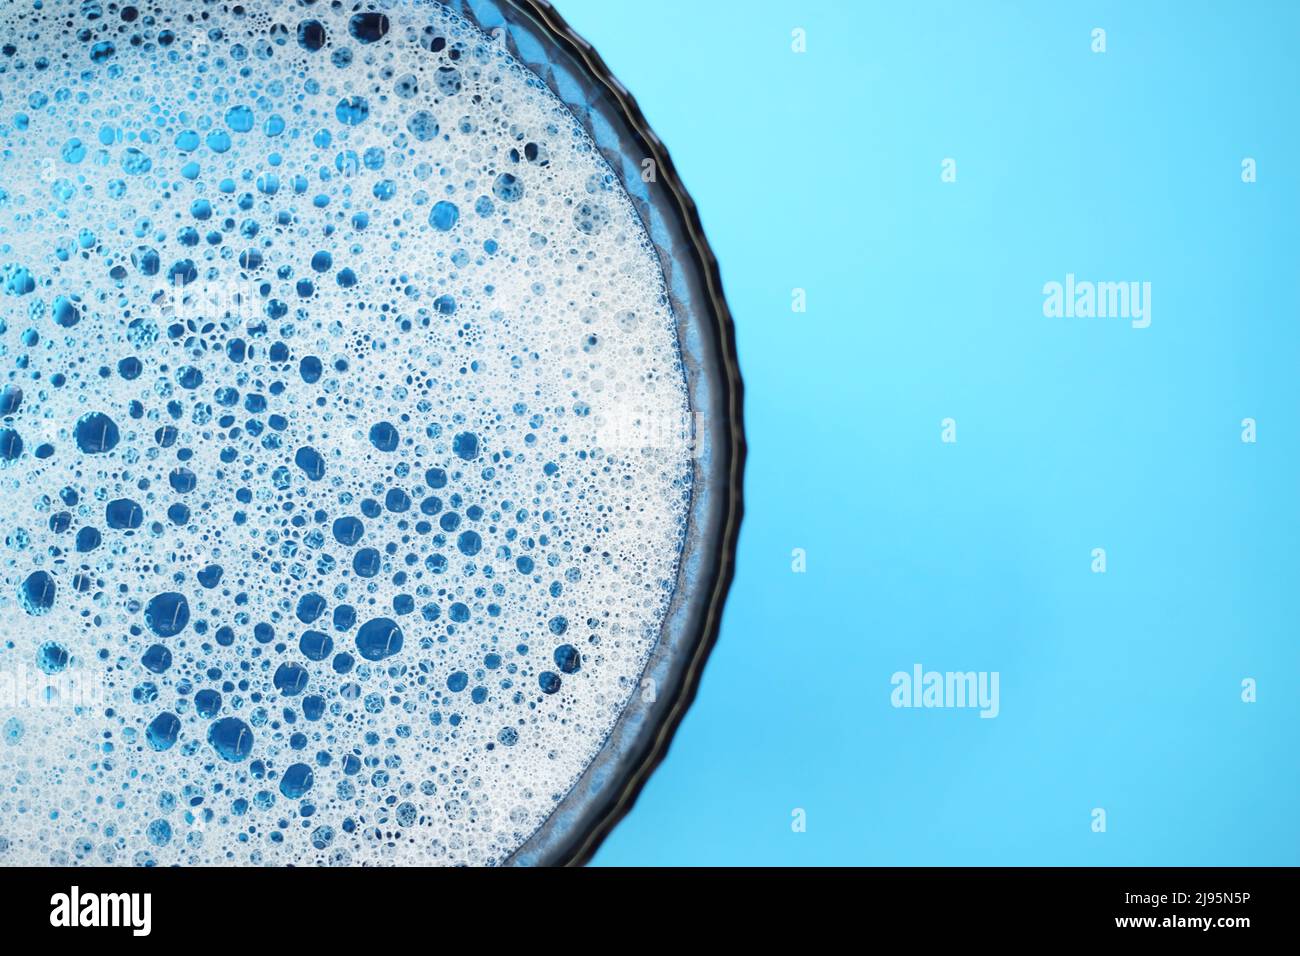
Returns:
(96,433)
(316,645)
(567,659)
(422,126)
(378,639)
(207,703)
(311,462)
(465,446)
(368,27)
(348,530)
(52,657)
(11,444)
(384,436)
(136,162)
(37,593)
(508,188)
(123,514)
(11,399)
(291,679)
(167,614)
(297,780)
(231,738)
(156,659)
(444,215)
(311,35)
(352,111)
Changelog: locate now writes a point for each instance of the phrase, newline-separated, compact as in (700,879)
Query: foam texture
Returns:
(344,462)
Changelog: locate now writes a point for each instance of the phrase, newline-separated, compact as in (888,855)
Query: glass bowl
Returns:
(537,36)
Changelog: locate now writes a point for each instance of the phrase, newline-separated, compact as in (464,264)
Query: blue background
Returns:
(1119,690)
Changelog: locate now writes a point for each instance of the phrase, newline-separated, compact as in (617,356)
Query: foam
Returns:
(243,414)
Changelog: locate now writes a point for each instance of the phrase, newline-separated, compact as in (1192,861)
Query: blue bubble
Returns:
(73,151)
(290,679)
(567,659)
(297,780)
(469,543)
(218,141)
(311,462)
(65,311)
(163,731)
(368,27)
(311,35)
(366,562)
(315,645)
(352,111)
(167,613)
(96,433)
(348,530)
(239,119)
(36,594)
(444,216)
(136,162)
(11,399)
(310,607)
(157,659)
(465,445)
(11,444)
(207,703)
(18,281)
(378,639)
(231,738)
(159,832)
(124,514)
(384,436)
(508,188)
(52,657)
(210,575)
(422,125)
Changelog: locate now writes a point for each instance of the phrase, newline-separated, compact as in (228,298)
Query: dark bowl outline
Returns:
(651,745)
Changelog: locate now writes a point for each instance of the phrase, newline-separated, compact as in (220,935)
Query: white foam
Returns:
(572,324)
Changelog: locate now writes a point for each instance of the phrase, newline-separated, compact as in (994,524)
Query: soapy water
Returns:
(344,442)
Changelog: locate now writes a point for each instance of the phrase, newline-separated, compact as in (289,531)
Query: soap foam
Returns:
(343,452)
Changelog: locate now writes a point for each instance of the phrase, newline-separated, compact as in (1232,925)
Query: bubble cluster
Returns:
(344,442)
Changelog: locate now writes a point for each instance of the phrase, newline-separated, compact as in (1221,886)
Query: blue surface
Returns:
(1119,690)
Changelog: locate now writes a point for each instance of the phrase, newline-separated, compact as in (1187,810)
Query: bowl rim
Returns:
(652,742)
